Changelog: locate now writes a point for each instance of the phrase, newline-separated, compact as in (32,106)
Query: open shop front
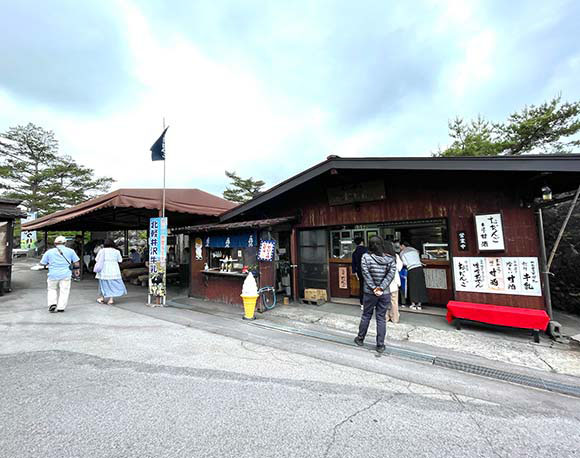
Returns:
(333,248)
(449,209)
(222,256)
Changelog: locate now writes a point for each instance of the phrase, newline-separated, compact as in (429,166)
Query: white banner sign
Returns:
(518,276)
(28,238)
(489,230)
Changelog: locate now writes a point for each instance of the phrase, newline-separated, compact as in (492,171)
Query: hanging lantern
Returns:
(546,193)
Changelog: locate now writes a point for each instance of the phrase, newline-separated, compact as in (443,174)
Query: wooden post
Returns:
(45,241)
(543,264)
(563,228)
(126,244)
(294,263)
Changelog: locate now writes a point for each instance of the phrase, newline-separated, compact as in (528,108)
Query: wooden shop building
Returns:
(475,220)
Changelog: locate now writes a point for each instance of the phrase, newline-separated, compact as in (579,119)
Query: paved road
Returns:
(128,381)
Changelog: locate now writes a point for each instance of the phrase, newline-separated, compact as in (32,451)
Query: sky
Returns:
(268,88)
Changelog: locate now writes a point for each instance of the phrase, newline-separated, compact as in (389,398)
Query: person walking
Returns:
(61,262)
(108,273)
(393,312)
(378,272)
(356,267)
(416,288)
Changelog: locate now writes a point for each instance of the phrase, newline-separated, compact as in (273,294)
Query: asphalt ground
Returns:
(128,381)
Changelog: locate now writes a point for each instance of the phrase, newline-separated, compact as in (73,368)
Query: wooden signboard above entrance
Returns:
(357,192)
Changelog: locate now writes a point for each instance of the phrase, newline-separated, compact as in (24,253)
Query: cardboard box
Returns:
(311,294)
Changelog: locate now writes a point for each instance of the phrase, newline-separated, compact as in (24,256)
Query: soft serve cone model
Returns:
(249,296)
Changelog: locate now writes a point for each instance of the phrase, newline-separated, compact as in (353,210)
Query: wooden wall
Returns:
(424,195)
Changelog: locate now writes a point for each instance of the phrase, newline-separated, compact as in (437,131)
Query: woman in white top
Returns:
(110,281)
(393,312)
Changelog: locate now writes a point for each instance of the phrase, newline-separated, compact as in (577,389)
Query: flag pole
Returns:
(164,159)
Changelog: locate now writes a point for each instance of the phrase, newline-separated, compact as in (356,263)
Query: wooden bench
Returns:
(499,315)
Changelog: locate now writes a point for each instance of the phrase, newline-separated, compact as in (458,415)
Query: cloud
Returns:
(67,54)
(269,88)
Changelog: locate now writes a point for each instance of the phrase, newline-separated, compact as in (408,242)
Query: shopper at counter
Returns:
(393,312)
(378,271)
(356,264)
(416,288)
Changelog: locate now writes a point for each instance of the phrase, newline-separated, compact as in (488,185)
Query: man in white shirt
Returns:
(61,262)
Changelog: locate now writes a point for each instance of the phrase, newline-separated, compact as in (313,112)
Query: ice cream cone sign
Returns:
(249,296)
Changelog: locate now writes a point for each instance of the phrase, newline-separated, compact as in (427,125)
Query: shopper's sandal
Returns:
(110,302)
(52,308)
(100,300)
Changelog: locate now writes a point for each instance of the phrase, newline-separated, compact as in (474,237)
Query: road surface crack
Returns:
(544,361)
(350,417)
(483,433)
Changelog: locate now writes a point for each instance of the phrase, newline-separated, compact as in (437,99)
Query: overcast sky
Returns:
(268,88)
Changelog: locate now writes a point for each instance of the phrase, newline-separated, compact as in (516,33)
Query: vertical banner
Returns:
(157,256)
(28,238)
(489,230)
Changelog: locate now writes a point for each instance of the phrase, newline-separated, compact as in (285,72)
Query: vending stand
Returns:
(9,213)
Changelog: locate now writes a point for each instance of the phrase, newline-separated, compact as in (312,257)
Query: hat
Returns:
(60,240)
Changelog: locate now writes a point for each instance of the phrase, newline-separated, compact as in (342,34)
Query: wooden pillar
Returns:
(294,263)
(126,247)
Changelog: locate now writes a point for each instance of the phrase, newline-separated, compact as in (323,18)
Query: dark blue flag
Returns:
(158,148)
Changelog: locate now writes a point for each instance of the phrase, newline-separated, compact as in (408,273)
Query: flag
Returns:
(158,148)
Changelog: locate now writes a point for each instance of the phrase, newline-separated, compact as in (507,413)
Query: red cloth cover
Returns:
(498,314)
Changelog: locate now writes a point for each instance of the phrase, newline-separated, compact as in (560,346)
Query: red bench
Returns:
(500,315)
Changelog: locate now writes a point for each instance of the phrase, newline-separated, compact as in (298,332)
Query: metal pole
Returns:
(563,228)
(164,159)
(82,255)
(543,265)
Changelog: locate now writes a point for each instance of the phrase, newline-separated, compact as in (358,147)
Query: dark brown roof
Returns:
(131,208)
(233,226)
(557,165)
(9,209)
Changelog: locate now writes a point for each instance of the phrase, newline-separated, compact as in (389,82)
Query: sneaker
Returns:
(403,306)
(380,348)
(413,307)
(60,311)
(418,307)
(360,342)
(52,308)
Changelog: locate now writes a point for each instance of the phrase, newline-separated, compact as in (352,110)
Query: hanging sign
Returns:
(489,230)
(244,240)
(462,241)
(518,276)
(267,249)
(28,238)
(198,249)
(157,256)
(343,277)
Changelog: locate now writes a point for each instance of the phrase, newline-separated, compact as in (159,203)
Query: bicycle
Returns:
(268,297)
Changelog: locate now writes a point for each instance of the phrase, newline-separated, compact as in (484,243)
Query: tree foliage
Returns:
(241,189)
(33,170)
(549,128)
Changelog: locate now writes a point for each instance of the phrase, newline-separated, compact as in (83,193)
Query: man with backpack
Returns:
(61,262)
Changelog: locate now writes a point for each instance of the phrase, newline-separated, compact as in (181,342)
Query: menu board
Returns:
(489,230)
(505,275)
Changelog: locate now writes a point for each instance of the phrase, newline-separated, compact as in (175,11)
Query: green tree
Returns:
(549,128)
(242,190)
(33,170)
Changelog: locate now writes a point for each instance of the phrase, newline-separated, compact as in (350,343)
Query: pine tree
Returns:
(33,170)
(242,190)
(549,128)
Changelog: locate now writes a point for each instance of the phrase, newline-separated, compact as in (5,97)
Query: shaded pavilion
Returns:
(130,209)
